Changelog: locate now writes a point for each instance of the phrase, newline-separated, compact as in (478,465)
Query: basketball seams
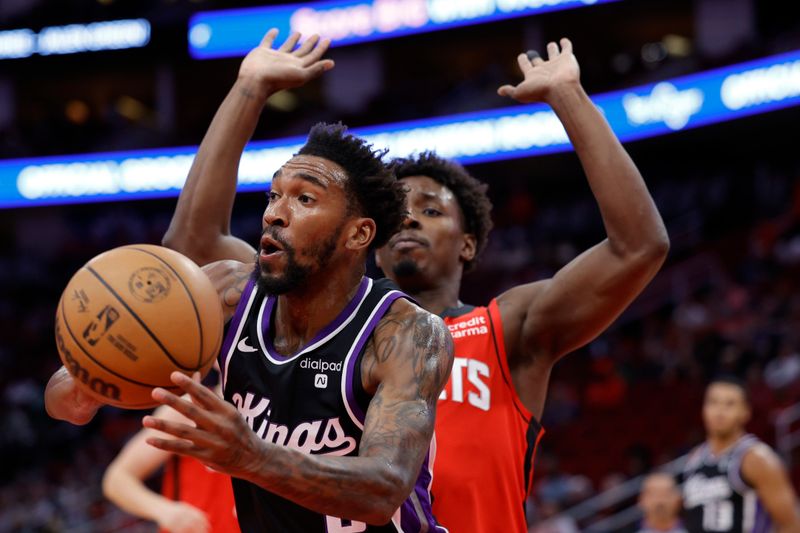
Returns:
(138,319)
(95,361)
(200,359)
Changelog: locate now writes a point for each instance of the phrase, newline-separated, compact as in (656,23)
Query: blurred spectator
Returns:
(660,502)
(784,369)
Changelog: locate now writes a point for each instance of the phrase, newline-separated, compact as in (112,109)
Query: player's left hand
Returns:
(544,78)
(220,438)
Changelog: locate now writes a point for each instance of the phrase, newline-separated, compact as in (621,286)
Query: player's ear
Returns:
(360,234)
(469,247)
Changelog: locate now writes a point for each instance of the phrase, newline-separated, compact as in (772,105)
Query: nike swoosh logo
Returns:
(244,347)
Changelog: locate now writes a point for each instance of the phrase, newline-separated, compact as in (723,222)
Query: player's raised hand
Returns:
(287,66)
(544,78)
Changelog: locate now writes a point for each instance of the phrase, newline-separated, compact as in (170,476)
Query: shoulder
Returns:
(518,315)
(760,463)
(408,342)
(515,303)
(407,318)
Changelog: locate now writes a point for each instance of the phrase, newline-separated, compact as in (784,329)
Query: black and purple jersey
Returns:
(716,497)
(312,401)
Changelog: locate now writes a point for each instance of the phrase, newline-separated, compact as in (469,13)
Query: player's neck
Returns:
(438,298)
(301,314)
(720,443)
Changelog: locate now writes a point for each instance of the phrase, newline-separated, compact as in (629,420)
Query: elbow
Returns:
(389,496)
(186,244)
(380,515)
(108,482)
(652,251)
(657,247)
(174,241)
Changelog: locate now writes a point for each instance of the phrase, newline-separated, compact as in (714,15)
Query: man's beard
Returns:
(296,274)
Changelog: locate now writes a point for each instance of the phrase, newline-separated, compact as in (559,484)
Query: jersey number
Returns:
(475,371)
(339,525)
(718,516)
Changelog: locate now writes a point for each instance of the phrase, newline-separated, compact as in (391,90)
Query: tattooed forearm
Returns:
(409,356)
(232,293)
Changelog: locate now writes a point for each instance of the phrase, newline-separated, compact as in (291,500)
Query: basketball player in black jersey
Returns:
(733,482)
(331,378)
(443,235)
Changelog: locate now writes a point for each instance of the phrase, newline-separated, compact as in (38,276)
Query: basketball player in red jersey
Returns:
(487,424)
(193,499)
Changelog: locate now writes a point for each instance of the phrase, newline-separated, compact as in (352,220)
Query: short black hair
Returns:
(470,193)
(730,379)
(372,188)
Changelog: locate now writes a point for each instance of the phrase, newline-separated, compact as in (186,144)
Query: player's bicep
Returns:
(412,370)
(567,311)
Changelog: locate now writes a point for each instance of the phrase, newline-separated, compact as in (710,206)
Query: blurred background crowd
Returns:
(726,301)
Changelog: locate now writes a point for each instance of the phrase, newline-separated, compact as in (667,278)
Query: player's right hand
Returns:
(180,517)
(285,68)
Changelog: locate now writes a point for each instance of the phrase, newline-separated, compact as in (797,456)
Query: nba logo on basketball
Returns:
(321,381)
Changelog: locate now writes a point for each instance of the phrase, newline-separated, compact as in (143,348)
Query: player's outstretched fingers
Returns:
(191,410)
(201,395)
(534,57)
(506,90)
(307,46)
(552,50)
(566,46)
(317,53)
(184,447)
(269,38)
(290,43)
(524,63)
(318,68)
(197,438)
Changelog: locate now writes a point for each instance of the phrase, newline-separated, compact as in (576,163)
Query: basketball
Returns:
(133,315)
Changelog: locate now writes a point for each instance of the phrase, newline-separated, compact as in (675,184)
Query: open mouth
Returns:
(269,249)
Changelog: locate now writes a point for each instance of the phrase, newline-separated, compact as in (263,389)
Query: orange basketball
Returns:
(133,315)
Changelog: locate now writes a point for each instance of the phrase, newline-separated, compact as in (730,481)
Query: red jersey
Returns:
(485,437)
(190,481)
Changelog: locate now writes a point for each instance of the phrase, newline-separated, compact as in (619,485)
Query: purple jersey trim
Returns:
(233,326)
(358,412)
(409,517)
(742,446)
(762,523)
